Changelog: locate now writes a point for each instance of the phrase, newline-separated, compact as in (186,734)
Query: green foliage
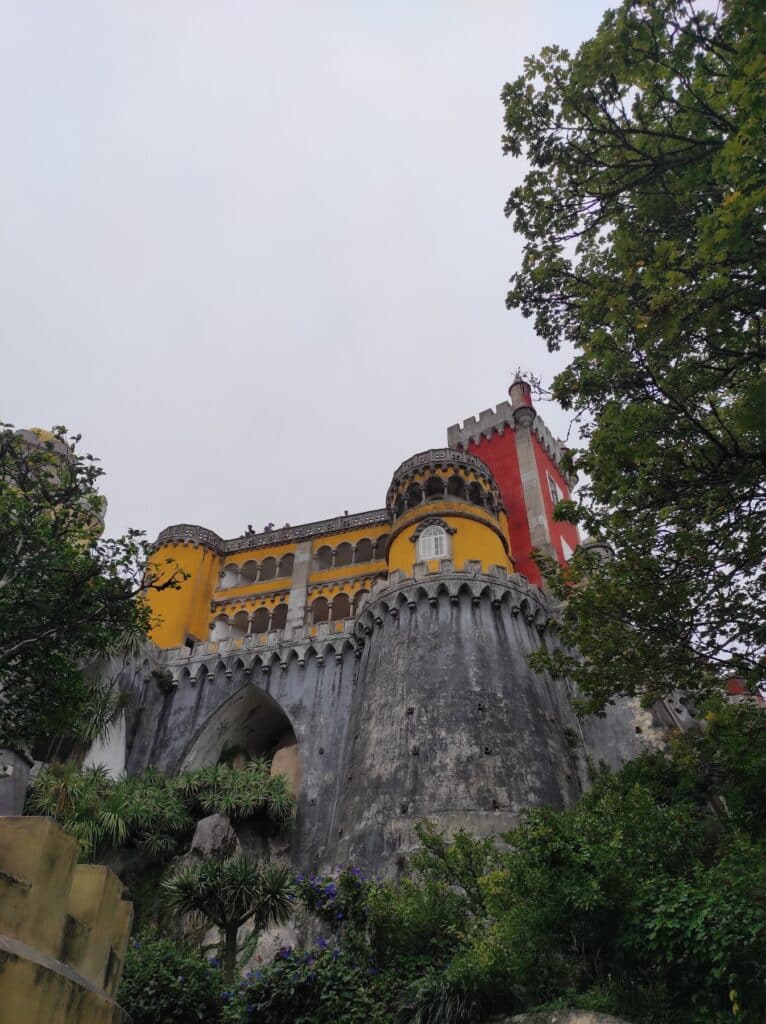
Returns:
(230,892)
(324,985)
(67,596)
(642,220)
(165,983)
(152,811)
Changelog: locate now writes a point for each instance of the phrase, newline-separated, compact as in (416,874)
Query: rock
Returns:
(214,837)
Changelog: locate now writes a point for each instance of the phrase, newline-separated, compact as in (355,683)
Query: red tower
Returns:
(525,460)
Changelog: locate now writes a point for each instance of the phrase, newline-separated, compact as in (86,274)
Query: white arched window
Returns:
(432,543)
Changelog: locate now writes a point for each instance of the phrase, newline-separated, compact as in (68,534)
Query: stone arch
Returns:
(435,488)
(456,487)
(254,722)
(414,495)
(341,607)
(476,494)
(279,617)
(320,610)
(359,597)
(250,571)
(230,576)
(268,568)
(344,554)
(238,626)
(286,563)
(260,621)
(324,557)
(364,550)
(219,628)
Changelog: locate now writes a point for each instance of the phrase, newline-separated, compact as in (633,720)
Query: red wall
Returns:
(556,530)
(499,453)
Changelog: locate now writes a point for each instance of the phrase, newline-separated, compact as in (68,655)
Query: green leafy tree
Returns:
(642,215)
(230,892)
(68,597)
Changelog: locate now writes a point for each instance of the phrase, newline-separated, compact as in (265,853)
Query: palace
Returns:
(381,658)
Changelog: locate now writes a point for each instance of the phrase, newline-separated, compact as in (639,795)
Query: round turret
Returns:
(445,504)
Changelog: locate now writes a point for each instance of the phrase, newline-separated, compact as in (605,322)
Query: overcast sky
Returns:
(255,252)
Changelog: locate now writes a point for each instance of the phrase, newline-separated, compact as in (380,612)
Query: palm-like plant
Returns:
(230,892)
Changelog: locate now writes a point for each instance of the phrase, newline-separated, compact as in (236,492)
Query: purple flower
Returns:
(335,953)
(331,890)
(323,944)
(285,952)
(214,962)
(340,916)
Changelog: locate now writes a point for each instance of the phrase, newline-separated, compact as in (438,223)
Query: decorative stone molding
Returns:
(431,521)
(440,458)
(185,533)
(512,590)
(255,654)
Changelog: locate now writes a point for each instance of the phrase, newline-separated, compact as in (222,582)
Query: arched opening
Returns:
(344,554)
(239,625)
(401,506)
(250,722)
(286,565)
(268,568)
(260,621)
(279,617)
(359,597)
(380,547)
(219,629)
(230,576)
(475,494)
(341,608)
(435,488)
(456,487)
(320,610)
(414,495)
(250,572)
(433,543)
(324,558)
(364,551)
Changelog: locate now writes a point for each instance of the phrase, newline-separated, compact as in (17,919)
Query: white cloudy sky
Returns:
(255,252)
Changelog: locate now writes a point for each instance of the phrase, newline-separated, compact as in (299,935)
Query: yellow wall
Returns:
(475,538)
(64,929)
(184,611)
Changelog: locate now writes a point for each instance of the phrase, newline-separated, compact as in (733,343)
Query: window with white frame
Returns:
(432,543)
(566,551)
(556,492)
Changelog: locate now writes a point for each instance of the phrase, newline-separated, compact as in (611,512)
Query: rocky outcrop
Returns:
(214,837)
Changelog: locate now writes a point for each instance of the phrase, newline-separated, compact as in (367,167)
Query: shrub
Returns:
(167,983)
(327,984)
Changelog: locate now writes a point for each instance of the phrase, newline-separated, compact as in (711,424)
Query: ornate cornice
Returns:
(185,533)
(440,458)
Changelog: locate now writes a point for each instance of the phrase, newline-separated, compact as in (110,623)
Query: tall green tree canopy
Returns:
(67,596)
(643,215)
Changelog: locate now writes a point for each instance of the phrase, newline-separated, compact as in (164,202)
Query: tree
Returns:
(68,597)
(642,215)
(230,892)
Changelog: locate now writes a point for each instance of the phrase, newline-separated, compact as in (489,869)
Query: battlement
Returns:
(497,421)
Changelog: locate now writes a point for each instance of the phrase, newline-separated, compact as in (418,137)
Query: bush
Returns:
(328,984)
(167,983)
